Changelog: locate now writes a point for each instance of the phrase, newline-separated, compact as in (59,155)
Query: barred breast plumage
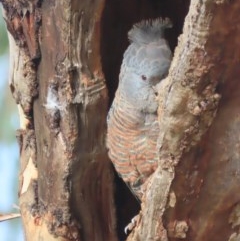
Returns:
(132,120)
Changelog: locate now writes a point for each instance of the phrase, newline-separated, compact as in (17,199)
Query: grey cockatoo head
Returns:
(147,59)
(150,62)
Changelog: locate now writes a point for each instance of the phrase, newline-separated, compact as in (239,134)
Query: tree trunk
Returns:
(60,52)
(66,187)
(194,192)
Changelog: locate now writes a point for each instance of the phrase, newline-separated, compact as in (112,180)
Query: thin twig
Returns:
(5,217)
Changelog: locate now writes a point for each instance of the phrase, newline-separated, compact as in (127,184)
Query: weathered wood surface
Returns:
(194,190)
(66,190)
(66,187)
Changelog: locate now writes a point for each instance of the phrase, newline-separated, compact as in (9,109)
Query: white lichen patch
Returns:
(172,200)
(52,102)
(178,229)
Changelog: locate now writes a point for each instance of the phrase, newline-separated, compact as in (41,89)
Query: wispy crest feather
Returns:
(149,30)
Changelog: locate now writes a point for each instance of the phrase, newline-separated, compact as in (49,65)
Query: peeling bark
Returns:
(66,179)
(66,184)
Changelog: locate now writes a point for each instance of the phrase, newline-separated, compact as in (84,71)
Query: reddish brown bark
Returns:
(58,51)
(66,189)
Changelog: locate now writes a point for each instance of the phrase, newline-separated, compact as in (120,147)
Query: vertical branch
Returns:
(66,178)
(188,105)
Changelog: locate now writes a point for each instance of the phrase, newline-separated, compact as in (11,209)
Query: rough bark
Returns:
(190,191)
(66,190)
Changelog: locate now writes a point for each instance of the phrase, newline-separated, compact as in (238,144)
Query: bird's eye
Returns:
(144,77)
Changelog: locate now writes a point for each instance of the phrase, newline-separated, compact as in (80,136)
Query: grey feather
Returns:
(148,31)
(132,120)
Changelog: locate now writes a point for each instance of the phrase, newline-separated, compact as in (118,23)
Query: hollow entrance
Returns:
(117,19)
